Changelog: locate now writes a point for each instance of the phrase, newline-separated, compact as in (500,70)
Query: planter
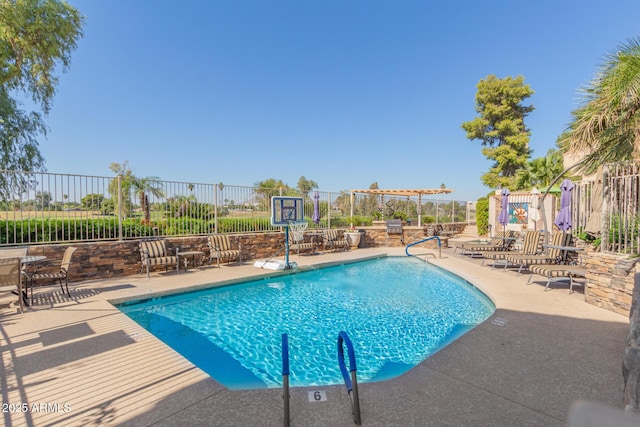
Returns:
(353,238)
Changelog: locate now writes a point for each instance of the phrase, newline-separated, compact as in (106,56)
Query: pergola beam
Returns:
(406,193)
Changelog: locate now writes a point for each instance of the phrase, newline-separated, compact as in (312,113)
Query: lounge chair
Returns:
(532,244)
(553,254)
(333,241)
(296,239)
(501,241)
(153,251)
(569,266)
(61,274)
(220,248)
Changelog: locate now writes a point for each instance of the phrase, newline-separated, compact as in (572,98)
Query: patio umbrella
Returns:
(563,219)
(534,212)
(503,217)
(316,208)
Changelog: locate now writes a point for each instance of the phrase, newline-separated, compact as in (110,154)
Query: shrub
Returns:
(482,215)
(428,219)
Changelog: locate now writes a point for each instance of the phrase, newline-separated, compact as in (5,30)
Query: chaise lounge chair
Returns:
(568,266)
(552,255)
(533,241)
(503,240)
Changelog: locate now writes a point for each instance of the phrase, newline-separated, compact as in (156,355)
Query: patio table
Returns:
(185,258)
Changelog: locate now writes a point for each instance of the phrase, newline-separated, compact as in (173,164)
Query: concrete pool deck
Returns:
(80,361)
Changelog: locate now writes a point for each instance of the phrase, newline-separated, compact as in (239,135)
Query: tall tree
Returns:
(37,38)
(271,187)
(306,185)
(606,127)
(500,127)
(19,133)
(123,182)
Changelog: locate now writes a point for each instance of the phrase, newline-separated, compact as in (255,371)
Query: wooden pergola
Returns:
(406,193)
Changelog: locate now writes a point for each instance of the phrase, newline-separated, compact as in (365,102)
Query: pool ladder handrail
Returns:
(406,249)
(350,382)
(285,378)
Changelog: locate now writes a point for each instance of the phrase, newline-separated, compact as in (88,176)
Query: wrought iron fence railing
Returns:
(41,207)
(620,215)
(606,208)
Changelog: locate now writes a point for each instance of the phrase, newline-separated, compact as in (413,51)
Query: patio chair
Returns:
(567,266)
(11,278)
(220,248)
(532,244)
(61,275)
(503,240)
(552,255)
(332,240)
(153,251)
(13,252)
(296,238)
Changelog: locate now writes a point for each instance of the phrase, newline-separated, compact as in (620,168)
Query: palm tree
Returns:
(606,128)
(142,186)
(540,171)
(120,187)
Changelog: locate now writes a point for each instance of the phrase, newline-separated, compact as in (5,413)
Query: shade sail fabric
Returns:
(503,217)
(563,219)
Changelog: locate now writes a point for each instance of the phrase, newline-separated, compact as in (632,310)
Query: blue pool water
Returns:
(397,311)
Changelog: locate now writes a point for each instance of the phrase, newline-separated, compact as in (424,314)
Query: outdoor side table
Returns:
(193,254)
(316,237)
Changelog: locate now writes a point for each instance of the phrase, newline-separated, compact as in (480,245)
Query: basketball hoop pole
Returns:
(284,212)
(286,248)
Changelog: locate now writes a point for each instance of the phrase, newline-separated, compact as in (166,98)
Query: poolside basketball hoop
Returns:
(285,212)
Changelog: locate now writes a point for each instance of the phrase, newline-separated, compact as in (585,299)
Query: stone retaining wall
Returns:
(102,260)
(631,360)
(610,280)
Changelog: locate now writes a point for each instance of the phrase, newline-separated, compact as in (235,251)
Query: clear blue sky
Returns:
(345,93)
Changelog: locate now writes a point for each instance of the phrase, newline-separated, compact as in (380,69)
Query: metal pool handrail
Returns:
(350,382)
(285,378)
(406,249)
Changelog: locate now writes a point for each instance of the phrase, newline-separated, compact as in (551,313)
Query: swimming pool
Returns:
(396,310)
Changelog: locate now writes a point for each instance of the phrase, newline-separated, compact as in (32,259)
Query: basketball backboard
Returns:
(285,210)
